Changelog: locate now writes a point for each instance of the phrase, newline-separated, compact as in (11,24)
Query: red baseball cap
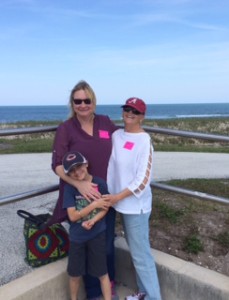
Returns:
(136,103)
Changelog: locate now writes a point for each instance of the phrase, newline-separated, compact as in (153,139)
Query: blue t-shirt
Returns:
(72,198)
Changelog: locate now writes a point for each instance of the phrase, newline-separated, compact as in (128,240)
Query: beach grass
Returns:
(42,142)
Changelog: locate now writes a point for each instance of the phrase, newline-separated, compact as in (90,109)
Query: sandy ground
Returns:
(25,172)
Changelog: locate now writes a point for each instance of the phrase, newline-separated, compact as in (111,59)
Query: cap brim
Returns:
(129,105)
(74,165)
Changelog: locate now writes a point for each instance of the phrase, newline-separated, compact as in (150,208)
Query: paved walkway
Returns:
(24,172)
(20,172)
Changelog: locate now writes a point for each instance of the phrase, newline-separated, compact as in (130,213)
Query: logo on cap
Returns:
(70,157)
(132,100)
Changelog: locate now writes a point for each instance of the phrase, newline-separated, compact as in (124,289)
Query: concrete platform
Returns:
(179,280)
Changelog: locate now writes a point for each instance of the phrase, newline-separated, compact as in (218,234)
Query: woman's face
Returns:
(130,117)
(82,104)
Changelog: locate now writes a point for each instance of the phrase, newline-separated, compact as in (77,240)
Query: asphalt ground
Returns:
(24,172)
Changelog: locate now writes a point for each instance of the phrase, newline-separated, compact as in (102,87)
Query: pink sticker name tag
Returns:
(103,134)
(128,145)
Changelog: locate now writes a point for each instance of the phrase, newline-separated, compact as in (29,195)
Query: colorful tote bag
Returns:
(43,244)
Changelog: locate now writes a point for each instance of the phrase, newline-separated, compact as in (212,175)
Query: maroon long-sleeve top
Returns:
(97,149)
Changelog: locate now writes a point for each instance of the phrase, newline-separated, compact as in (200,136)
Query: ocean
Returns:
(9,114)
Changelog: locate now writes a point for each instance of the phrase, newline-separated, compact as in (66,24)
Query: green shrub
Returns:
(192,244)
(173,215)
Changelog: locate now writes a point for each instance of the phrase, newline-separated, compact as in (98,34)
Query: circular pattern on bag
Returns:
(43,244)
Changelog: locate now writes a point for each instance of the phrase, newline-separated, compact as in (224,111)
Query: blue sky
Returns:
(163,51)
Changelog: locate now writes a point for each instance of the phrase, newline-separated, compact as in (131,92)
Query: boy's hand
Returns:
(88,189)
(88,224)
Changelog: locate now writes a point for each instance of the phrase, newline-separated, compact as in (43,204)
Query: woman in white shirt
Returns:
(128,179)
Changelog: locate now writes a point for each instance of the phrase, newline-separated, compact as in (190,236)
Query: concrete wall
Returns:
(179,280)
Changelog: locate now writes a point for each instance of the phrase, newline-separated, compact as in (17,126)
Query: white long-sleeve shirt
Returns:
(130,166)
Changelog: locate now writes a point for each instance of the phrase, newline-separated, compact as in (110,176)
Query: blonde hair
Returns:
(81,85)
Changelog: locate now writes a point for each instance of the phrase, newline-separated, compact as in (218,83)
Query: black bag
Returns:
(44,244)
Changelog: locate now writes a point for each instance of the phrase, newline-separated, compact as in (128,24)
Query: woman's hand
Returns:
(111,199)
(88,189)
(101,203)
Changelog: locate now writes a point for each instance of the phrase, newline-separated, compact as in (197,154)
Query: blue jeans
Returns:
(136,228)
(92,284)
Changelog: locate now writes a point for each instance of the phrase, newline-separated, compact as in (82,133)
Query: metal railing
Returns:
(187,134)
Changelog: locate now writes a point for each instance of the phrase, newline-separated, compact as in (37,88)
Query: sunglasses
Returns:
(80,101)
(130,109)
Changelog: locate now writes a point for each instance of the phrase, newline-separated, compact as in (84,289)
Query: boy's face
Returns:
(79,172)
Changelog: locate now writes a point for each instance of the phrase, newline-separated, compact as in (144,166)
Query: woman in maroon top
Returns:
(90,134)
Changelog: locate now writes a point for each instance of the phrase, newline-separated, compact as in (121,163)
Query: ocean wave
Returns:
(203,116)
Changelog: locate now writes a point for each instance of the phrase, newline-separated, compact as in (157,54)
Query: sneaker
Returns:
(137,296)
(114,295)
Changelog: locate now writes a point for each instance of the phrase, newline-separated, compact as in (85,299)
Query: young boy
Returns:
(87,227)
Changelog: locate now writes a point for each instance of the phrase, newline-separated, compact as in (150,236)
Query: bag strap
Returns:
(28,216)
